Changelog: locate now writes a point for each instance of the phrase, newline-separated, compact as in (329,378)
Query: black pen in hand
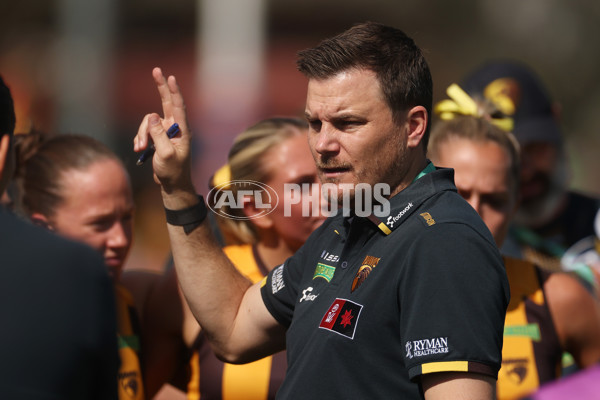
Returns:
(171,132)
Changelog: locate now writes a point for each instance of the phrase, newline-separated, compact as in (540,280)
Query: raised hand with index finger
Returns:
(171,161)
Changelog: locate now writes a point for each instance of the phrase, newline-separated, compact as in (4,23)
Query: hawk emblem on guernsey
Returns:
(515,369)
(131,387)
(365,269)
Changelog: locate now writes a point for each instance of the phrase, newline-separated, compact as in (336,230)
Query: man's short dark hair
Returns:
(399,64)
(7,110)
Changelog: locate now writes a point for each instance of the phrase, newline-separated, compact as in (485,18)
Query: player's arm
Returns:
(576,315)
(458,386)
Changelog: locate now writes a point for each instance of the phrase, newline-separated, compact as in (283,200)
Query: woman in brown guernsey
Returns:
(77,187)
(548,313)
(273,152)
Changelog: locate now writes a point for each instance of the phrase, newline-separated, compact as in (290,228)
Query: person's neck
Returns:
(415,167)
(273,252)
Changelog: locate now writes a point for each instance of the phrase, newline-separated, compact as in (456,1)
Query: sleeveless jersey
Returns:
(130,372)
(531,353)
(214,379)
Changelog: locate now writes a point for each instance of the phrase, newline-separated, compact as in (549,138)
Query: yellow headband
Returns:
(222,177)
(460,103)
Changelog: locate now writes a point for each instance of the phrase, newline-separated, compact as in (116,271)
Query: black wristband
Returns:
(190,218)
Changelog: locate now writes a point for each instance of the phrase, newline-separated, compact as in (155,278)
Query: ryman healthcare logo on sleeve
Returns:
(425,347)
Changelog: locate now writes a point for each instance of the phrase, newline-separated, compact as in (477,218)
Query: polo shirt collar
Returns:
(431,181)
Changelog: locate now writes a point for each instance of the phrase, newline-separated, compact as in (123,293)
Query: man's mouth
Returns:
(534,188)
(333,171)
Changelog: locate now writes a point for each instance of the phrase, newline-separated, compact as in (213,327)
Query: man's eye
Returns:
(315,125)
(345,125)
(497,202)
(102,225)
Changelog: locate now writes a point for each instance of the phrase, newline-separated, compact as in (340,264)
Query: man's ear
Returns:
(41,220)
(416,120)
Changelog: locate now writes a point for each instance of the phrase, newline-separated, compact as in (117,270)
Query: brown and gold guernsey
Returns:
(531,353)
(214,379)
(130,373)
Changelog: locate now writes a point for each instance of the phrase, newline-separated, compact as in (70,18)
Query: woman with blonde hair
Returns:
(548,313)
(274,152)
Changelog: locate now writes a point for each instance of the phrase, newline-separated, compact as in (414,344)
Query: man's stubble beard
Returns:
(391,175)
(540,211)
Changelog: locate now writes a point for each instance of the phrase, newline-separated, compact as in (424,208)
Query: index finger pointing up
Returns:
(171,97)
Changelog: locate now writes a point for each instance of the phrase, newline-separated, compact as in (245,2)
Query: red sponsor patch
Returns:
(342,317)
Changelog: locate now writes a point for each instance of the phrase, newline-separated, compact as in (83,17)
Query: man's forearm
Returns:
(459,386)
(210,283)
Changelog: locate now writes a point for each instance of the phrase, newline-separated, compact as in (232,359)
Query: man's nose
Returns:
(327,140)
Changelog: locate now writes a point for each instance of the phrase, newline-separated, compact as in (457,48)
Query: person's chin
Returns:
(339,194)
(114,267)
